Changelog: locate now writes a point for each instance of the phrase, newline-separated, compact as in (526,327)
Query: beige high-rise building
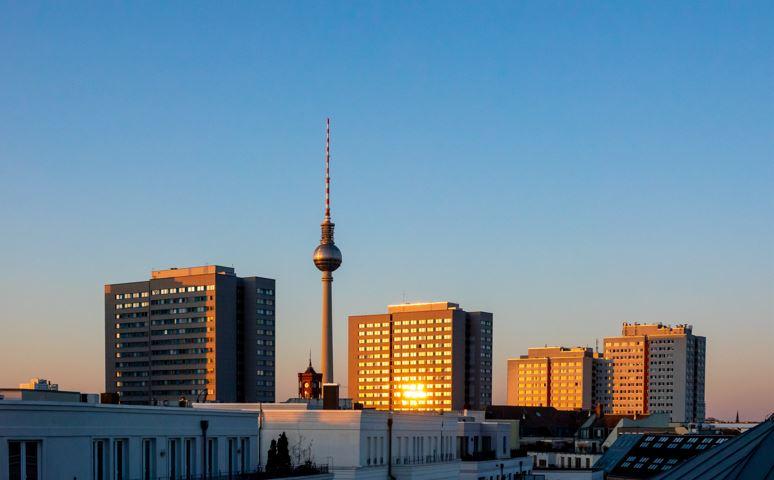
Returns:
(559,377)
(421,357)
(657,368)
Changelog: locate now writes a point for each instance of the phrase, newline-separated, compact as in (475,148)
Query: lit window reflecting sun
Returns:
(414,391)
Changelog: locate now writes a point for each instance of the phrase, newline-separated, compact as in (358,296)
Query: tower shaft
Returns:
(327,327)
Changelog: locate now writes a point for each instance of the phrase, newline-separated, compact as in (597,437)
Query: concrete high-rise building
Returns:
(421,357)
(327,258)
(559,377)
(657,368)
(201,333)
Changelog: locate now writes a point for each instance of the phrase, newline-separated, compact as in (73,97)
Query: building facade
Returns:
(102,442)
(380,445)
(421,357)
(559,377)
(199,333)
(657,368)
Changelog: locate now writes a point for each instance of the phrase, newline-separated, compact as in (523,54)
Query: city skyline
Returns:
(565,169)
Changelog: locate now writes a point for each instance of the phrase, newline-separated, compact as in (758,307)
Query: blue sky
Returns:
(567,166)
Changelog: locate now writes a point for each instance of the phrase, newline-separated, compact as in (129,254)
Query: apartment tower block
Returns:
(559,377)
(199,333)
(657,368)
(421,357)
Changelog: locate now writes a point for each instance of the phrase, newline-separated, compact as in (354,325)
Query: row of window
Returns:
(181,321)
(144,383)
(145,373)
(120,306)
(410,346)
(173,311)
(111,459)
(443,353)
(172,301)
(164,291)
(177,351)
(122,296)
(120,316)
(193,288)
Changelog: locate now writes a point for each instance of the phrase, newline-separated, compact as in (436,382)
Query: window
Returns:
(174,458)
(232,456)
(148,459)
(99,459)
(119,459)
(244,451)
(212,456)
(23,460)
(189,458)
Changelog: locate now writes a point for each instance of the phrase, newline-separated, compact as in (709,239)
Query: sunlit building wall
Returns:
(657,368)
(559,377)
(421,357)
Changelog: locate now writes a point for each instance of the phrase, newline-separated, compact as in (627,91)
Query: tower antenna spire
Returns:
(327,168)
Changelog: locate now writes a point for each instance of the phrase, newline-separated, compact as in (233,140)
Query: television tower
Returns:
(327,258)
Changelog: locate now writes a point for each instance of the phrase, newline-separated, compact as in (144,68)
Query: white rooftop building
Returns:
(371,444)
(40,440)
(60,439)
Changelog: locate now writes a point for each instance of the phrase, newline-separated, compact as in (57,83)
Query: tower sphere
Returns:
(327,257)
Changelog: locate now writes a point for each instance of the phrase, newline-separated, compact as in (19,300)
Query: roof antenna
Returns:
(327,168)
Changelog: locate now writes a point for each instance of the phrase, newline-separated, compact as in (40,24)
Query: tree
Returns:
(301,451)
(283,454)
(271,460)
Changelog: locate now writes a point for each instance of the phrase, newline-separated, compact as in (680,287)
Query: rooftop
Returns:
(635,329)
(550,351)
(540,421)
(649,454)
(747,456)
(188,271)
(422,307)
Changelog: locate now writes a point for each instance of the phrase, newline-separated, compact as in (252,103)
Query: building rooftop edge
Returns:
(122,407)
(195,270)
(16,389)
